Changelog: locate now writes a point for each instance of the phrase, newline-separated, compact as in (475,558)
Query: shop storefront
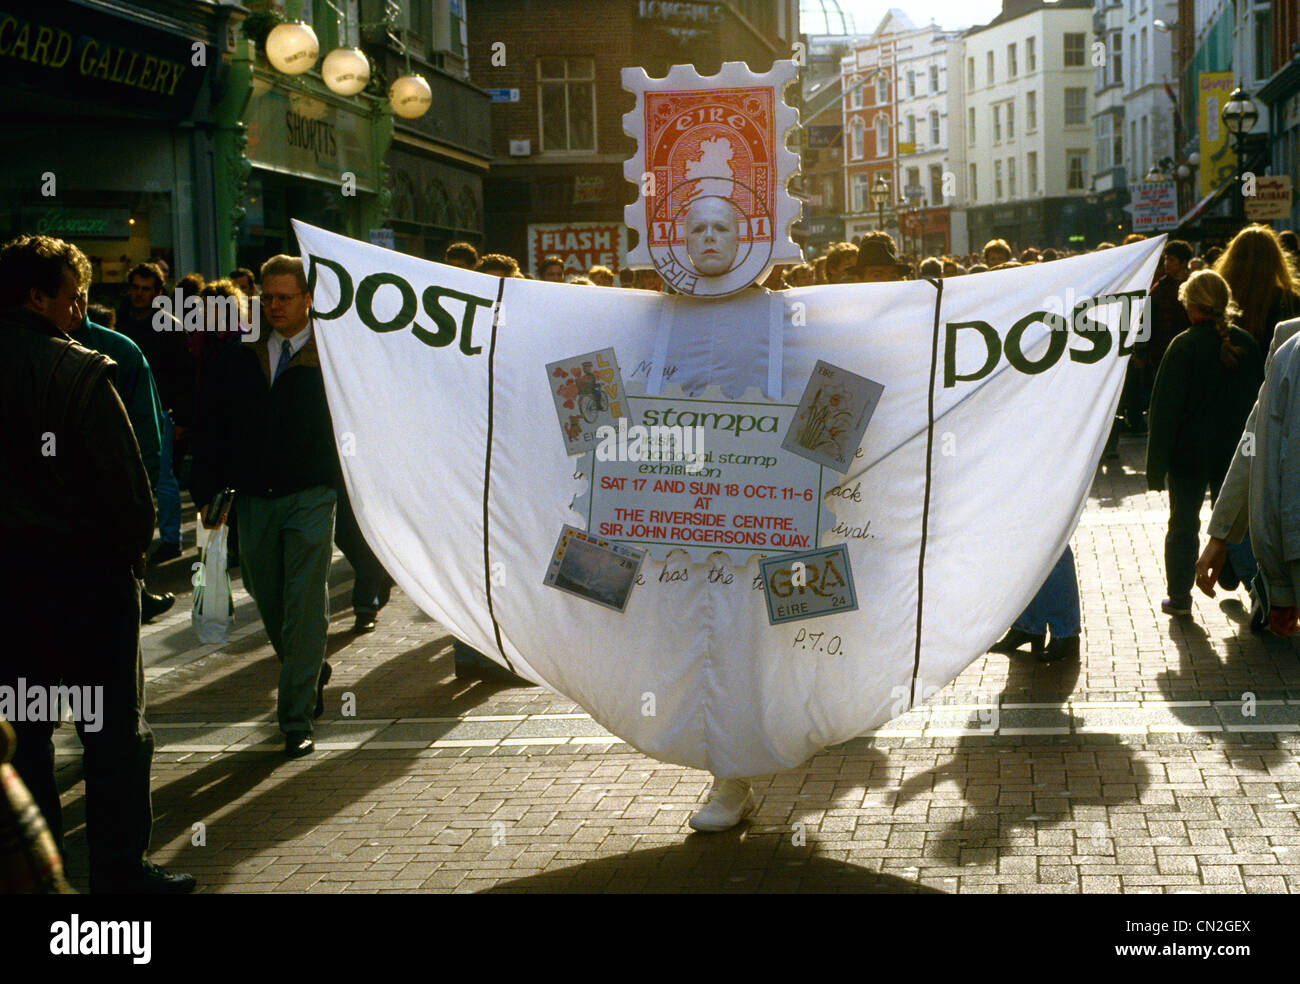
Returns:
(315,157)
(100,104)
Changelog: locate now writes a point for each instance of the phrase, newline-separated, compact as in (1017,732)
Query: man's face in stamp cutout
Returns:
(711,236)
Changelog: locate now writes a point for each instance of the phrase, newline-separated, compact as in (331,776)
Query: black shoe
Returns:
(298,743)
(365,623)
(1014,639)
(325,673)
(1066,647)
(148,879)
(164,553)
(153,605)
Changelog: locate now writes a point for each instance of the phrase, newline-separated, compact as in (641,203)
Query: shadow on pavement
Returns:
(1013,787)
(730,862)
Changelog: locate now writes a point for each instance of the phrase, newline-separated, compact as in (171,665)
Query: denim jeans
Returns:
(1182,541)
(1056,606)
(168,492)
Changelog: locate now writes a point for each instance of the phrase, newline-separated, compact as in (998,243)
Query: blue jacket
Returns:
(135,385)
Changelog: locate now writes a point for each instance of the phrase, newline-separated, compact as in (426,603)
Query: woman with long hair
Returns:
(1204,389)
(1263,280)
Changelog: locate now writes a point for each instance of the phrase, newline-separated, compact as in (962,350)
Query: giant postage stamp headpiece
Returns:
(711,167)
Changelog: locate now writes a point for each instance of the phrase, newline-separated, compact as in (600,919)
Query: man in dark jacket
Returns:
(134,383)
(169,359)
(1168,316)
(266,432)
(76,517)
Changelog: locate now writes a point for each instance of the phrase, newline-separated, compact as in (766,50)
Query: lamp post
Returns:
(1239,115)
(881,193)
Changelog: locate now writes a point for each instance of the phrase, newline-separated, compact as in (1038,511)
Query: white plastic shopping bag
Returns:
(214,607)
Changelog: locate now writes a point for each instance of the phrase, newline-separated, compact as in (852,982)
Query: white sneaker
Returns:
(730,801)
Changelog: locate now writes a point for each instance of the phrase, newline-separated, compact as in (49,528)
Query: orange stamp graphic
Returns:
(712,167)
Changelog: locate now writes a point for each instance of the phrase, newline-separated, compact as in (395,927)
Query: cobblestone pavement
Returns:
(1164,761)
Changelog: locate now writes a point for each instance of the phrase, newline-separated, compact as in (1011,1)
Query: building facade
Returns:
(1028,87)
(1280,98)
(110,117)
(868,77)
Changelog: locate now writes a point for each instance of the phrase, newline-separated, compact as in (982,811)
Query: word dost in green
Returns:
(446,327)
(1100,338)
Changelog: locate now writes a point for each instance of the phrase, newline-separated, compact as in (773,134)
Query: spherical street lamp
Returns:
(292,47)
(1239,113)
(346,71)
(881,194)
(410,96)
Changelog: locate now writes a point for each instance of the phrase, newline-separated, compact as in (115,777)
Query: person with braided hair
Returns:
(1204,390)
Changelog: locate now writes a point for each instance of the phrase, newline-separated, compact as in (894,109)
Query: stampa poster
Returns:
(997,399)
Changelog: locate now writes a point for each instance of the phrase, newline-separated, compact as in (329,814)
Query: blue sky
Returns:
(866,14)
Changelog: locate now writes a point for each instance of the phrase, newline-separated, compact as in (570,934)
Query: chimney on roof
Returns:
(1014,8)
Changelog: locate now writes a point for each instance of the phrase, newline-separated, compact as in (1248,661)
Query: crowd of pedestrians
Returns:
(109,420)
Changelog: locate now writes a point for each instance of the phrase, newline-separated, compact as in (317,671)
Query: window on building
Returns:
(1117,138)
(566,93)
(934,129)
(1132,66)
(1031,111)
(1031,172)
(997,123)
(861,192)
(855,93)
(997,181)
(1011,177)
(1102,127)
(858,135)
(1262,38)
(972,186)
(911,130)
(1145,146)
(1143,60)
(1075,48)
(913,178)
(970,73)
(934,78)
(936,185)
(1076,169)
(1117,58)
(1011,61)
(1076,106)
(970,126)
(911,82)
(1031,55)
(988,68)
(1011,119)
(882,136)
(1133,141)
(882,90)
